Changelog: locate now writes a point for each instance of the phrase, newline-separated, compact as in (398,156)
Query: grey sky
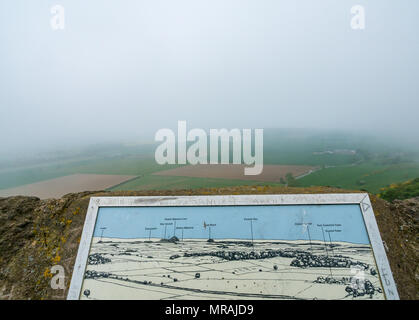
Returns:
(124,69)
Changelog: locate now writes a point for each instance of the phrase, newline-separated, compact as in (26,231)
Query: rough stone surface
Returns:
(38,234)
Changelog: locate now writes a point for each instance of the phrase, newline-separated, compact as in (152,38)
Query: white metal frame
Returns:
(362,199)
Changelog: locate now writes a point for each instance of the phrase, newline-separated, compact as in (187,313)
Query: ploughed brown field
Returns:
(56,188)
(271,173)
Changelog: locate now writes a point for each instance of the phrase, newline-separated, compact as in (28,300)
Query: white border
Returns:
(362,199)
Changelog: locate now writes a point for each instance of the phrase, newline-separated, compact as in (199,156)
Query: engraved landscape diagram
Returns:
(231,252)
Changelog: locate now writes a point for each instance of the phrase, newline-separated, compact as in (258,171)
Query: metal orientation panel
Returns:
(306,246)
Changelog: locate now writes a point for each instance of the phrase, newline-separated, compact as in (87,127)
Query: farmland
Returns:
(56,188)
(156,182)
(341,160)
(271,173)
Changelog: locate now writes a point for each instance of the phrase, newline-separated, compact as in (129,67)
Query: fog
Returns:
(121,70)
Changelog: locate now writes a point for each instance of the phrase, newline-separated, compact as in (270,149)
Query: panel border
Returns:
(362,199)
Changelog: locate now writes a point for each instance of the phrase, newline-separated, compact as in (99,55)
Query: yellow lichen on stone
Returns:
(47,273)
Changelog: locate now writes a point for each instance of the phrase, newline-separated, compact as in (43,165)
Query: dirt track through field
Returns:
(271,173)
(56,188)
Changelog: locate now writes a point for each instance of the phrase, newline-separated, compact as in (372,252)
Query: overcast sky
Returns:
(123,69)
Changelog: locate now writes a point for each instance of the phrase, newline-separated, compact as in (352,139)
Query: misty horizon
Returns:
(120,72)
